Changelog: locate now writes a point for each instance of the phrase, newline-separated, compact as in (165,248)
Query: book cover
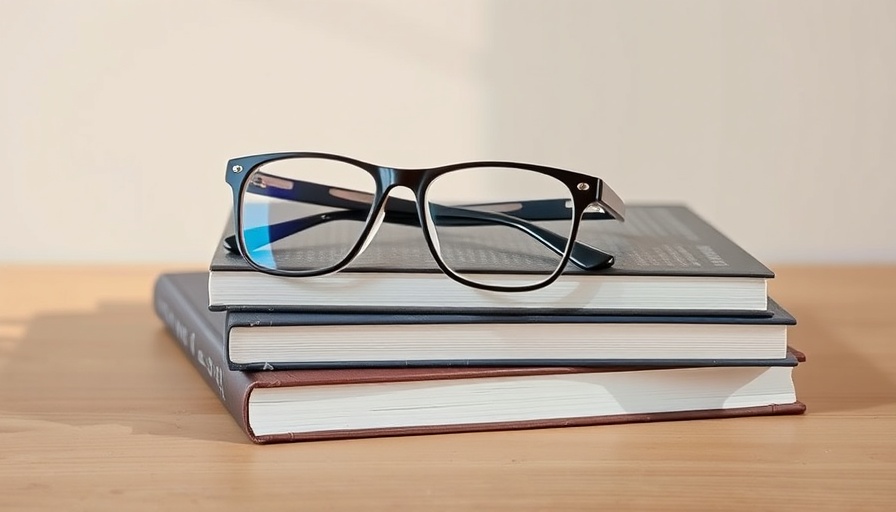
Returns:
(667,260)
(281,406)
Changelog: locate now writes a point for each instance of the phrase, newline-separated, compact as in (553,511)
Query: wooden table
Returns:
(100,411)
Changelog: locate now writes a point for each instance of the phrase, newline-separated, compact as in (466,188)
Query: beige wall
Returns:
(775,120)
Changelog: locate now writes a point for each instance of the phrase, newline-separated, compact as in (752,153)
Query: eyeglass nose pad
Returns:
(376,226)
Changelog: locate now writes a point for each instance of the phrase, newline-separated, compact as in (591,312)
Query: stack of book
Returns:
(681,327)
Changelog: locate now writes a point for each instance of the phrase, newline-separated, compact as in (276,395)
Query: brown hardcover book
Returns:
(279,406)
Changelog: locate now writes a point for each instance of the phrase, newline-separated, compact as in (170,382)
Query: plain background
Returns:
(776,121)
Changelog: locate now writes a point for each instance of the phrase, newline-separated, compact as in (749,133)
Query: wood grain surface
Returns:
(100,411)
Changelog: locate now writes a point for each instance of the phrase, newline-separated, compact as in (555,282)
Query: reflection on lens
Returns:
(500,226)
(286,221)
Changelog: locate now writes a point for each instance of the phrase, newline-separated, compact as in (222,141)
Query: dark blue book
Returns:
(256,340)
(668,260)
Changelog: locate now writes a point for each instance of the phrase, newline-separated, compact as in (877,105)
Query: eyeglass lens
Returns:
(282,233)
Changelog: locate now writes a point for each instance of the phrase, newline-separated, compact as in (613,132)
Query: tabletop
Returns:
(100,411)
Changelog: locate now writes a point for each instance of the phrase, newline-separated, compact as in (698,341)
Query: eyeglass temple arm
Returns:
(583,256)
(281,230)
(323,195)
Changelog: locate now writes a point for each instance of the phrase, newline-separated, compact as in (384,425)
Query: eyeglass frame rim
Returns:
(386,178)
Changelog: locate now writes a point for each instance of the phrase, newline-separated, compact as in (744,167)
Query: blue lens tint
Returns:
(289,221)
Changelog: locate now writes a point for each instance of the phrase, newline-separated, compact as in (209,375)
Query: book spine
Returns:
(202,345)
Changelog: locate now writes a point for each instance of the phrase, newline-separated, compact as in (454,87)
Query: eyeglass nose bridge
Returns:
(397,179)
(380,213)
(391,177)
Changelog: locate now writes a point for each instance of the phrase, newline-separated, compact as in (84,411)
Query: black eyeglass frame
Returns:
(585,191)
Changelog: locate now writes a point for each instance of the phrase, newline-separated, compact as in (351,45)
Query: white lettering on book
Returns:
(188,340)
(712,256)
(214,371)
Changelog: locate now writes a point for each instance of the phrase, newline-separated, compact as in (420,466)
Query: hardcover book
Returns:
(668,260)
(294,405)
(265,340)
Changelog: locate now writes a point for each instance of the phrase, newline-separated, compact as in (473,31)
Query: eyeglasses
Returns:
(501,226)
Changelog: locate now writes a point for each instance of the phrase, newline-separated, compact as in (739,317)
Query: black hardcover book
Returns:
(668,261)
(289,340)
